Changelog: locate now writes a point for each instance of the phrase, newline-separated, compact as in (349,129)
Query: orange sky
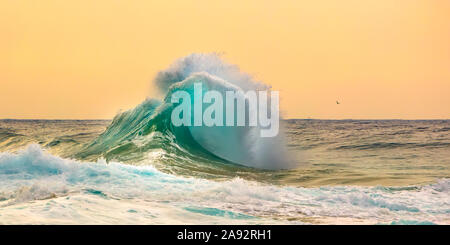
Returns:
(88,59)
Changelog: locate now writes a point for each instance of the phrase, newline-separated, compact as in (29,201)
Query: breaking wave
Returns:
(148,126)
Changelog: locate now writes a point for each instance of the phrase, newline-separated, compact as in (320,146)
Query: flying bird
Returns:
(337,102)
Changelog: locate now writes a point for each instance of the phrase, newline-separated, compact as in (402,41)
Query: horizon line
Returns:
(328,119)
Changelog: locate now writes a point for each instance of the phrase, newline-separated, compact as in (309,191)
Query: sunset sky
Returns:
(89,59)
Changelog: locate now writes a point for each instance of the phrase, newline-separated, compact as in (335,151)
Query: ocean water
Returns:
(141,169)
(346,172)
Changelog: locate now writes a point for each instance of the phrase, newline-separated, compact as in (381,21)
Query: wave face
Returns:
(148,126)
(39,188)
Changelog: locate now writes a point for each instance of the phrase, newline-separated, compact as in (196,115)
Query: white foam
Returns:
(37,187)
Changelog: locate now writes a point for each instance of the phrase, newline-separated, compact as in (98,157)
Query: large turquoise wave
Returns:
(147,128)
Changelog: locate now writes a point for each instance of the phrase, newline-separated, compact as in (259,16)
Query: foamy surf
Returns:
(39,188)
